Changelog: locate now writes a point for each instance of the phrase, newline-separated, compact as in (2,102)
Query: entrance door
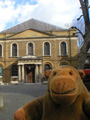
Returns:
(30,77)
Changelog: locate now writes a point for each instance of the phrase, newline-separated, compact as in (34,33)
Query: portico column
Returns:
(36,73)
(22,73)
(19,73)
(40,76)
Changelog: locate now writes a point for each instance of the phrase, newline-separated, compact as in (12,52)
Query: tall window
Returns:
(47,67)
(46,48)
(0,50)
(30,49)
(0,70)
(14,49)
(14,70)
(63,49)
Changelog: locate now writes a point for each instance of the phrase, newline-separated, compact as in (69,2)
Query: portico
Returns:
(29,69)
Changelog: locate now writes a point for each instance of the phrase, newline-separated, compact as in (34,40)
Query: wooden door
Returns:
(30,77)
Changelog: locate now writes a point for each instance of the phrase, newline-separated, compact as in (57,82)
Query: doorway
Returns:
(30,73)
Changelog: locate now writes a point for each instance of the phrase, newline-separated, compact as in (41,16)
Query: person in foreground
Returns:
(66,98)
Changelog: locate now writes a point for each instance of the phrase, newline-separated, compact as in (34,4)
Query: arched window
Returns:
(14,49)
(47,67)
(30,49)
(0,50)
(0,70)
(14,70)
(64,63)
(46,48)
(63,49)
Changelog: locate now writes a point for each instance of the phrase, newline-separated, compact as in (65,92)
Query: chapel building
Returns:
(28,49)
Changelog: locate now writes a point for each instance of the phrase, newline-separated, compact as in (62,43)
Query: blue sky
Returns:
(56,12)
(32,2)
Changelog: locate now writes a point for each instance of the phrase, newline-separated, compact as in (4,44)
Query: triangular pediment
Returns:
(30,33)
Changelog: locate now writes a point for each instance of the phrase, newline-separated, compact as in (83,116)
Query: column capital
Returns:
(20,64)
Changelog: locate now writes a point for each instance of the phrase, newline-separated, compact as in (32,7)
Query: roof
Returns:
(33,24)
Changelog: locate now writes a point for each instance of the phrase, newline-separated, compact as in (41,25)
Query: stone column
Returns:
(36,74)
(1,101)
(19,73)
(22,73)
(40,75)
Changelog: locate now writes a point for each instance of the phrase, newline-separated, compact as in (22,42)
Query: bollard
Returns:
(1,101)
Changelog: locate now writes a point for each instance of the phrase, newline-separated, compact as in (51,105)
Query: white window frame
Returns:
(60,48)
(50,48)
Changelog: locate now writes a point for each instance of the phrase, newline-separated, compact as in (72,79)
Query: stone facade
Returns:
(31,67)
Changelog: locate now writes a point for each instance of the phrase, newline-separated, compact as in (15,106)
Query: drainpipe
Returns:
(70,47)
(4,55)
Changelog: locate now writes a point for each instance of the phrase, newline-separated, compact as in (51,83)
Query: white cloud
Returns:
(25,12)
(57,12)
(7,13)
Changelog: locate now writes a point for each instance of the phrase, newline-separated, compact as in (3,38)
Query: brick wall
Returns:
(6,61)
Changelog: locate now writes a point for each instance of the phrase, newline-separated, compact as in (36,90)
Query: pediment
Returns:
(29,59)
(29,33)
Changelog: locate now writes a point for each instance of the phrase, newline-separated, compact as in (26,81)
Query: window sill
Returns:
(46,55)
(14,76)
(1,57)
(14,82)
(62,55)
(13,56)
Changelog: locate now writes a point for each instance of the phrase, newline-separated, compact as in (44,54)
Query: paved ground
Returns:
(17,95)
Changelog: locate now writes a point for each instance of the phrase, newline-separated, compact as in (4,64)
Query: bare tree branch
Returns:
(79,17)
(86,37)
(78,31)
(84,6)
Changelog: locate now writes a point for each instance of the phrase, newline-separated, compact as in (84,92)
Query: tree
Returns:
(86,36)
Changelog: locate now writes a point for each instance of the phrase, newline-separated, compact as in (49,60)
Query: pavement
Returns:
(15,96)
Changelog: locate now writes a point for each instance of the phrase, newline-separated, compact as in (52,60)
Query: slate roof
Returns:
(33,24)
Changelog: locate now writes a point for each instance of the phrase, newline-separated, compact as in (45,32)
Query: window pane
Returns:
(30,49)
(64,63)
(63,48)
(47,67)
(14,70)
(0,71)
(46,48)
(0,50)
(14,50)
